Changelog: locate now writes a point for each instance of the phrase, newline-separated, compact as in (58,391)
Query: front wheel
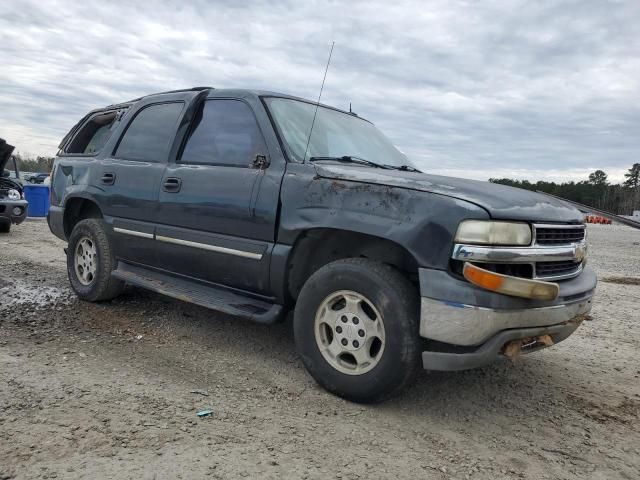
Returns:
(356,328)
(90,261)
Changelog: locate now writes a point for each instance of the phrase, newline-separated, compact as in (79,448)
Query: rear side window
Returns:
(150,133)
(224,132)
(93,135)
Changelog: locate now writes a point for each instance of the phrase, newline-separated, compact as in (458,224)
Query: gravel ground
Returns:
(111,390)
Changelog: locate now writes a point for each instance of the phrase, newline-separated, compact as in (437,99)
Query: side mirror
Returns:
(6,174)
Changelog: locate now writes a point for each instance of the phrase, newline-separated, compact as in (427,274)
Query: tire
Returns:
(97,283)
(377,292)
(5,227)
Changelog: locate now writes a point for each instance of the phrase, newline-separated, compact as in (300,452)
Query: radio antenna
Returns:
(318,103)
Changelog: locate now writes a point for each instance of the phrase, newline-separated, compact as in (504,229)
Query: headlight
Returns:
(13,194)
(493,233)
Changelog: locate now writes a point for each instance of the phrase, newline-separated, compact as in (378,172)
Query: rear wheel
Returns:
(356,328)
(90,261)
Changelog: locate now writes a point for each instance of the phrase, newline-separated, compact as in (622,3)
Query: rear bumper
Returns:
(55,219)
(7,210)
(468,326)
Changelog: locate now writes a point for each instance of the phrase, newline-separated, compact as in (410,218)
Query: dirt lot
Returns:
(107,390)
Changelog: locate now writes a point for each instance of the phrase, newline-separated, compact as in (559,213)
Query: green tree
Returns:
(30,164)
(633,177)
(597,192)
(598,178)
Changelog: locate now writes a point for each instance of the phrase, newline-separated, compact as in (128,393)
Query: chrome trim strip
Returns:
(133,233)
(212,248)
(491,254)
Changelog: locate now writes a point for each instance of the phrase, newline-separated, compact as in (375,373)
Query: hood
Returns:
(500,201)
(5,153)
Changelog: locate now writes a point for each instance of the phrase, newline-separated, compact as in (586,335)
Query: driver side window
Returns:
(224,132)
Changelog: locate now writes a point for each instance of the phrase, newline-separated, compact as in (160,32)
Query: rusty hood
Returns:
(500,201)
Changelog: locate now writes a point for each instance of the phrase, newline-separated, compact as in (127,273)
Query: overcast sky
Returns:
(538,90)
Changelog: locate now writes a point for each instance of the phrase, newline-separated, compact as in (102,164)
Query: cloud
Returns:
(480,89)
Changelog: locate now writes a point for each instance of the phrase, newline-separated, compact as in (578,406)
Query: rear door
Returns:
(130,177)
(218,201)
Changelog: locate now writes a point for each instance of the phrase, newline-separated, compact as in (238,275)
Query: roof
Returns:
(233,91)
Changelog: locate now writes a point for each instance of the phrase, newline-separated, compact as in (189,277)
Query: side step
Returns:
(204,295)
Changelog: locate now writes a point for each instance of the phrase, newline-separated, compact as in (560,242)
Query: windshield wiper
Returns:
(352,159)
(404,168)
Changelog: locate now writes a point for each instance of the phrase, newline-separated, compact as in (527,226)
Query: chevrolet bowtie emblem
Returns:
(579,253)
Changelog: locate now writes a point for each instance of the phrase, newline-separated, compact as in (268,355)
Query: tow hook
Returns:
(515,348)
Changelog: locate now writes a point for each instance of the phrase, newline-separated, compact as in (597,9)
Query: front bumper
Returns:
(470,326)
(492,350)
(7,210)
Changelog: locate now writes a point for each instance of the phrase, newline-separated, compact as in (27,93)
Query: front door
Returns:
(218,202)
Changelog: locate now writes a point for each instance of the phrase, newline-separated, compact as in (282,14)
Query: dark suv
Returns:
(253,203)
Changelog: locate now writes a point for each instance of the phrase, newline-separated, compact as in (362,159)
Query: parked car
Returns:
(13,206)
(231,200)
(37,177)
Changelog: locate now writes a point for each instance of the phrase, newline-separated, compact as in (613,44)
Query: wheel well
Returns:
(317,247)
(78,209)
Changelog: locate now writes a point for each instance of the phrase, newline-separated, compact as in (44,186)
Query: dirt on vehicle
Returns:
(112,390)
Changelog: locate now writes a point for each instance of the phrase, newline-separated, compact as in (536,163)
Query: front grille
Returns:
(554,269)
(555,254)
(549,235)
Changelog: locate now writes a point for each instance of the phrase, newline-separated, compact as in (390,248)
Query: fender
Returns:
(422,222)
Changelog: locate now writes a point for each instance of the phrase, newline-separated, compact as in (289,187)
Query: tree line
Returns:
(596,191)
(34,164)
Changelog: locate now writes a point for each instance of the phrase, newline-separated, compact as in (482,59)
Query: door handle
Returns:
(172,185)
(108,178)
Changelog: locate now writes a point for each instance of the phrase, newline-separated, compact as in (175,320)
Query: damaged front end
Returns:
(13,206)
(513,289)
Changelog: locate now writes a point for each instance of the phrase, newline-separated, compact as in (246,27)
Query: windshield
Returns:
(335,134)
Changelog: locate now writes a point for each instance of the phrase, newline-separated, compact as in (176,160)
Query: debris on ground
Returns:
(200,392)
(622,280)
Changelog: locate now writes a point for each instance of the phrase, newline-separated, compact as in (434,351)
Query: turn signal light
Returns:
(507,285)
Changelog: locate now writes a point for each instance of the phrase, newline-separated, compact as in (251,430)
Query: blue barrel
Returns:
(38,198)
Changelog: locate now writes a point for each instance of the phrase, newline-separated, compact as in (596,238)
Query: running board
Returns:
(204,295)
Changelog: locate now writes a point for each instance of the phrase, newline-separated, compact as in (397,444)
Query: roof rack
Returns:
(194,89)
